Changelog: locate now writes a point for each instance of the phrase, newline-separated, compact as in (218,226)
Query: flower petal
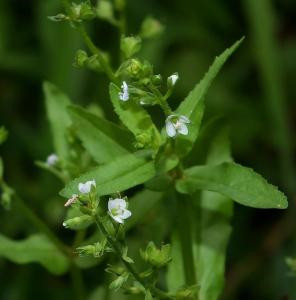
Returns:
(182,129)
(116,203)
(170,128)
(184,119)
(117,219)
(126,214)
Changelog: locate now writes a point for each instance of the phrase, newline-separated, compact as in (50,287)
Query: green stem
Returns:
(185,236)
(77,280)
(162,101)
(161,294)
(39,224)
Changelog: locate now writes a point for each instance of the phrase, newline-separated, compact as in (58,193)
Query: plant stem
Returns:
(161,294)
(39,224)
(77,281)
(185,236)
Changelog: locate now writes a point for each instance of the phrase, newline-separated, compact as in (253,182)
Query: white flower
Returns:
(118,210)
(85,188)
(72,200)
(173,79)
(52,159)
(124,95)
(176,124)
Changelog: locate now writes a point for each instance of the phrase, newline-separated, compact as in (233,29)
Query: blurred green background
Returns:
(255,91)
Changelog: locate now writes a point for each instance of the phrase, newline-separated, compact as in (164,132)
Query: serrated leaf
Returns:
(232,180)
(212,227)
(120,174)
(102,139)
(36,248)
(136,119)
(193,106)
(56,103)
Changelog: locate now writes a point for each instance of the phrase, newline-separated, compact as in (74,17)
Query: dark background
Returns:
(255,91)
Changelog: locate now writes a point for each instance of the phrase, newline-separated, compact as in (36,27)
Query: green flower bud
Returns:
(105,11)
(81,58)
(58,18)
(156,257)
(87,250)
(130,45)
(3,135)
(134,68)
(157,80)
(187,293)
(78,223)
(150,28)
(82,12)
(119,281)
(87,11)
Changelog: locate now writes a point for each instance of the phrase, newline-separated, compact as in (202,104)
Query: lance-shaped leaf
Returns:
(56,103)
(36,248)
(103,139)
(193,106)
(212,228)
(120,174)
(136,119)
(232,180)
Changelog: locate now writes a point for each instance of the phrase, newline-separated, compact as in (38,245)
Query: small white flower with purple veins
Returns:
(72,200)
(176,125)
(173,79)
(52,159)
(118,210)
(85,188)
(124,94)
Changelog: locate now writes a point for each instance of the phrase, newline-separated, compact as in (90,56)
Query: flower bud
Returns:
(87,250)
(171,81)
(105,11)
(130,45)
(78,223)
(119,281)
(58,18)
(187,293)
(156,257)
(157,80)
(3,135)
(134,68)
(81,58)
(151,28)
(82,12)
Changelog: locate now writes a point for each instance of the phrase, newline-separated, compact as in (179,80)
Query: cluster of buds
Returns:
(157,257)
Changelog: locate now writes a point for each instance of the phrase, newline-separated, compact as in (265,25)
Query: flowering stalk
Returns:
(80,28)
(161,294)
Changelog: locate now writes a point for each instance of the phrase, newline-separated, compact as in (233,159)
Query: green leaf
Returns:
(193,106)
(36,248)
(212,227)
(136,119)
(56,103)
(120,174)
(101,138)
(232,180)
